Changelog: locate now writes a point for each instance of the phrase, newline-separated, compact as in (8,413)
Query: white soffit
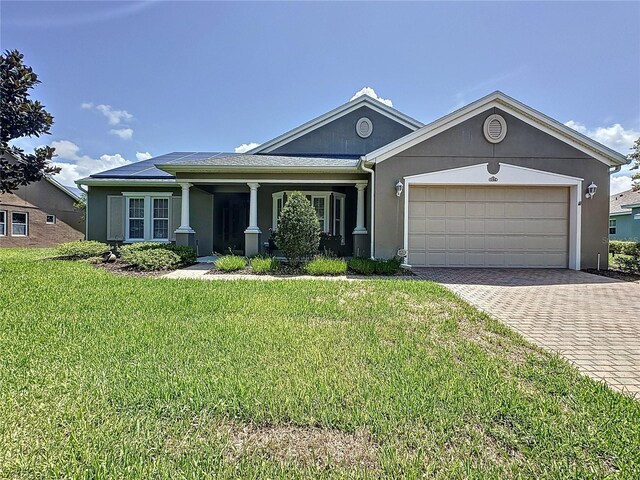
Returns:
(517,109)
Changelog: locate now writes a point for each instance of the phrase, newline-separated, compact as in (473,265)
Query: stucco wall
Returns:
(339,137)
(39,200)
(626,227)
(465,145)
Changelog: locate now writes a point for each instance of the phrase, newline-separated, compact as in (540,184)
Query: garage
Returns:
(488,226)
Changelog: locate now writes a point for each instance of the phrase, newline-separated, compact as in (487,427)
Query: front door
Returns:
(230,220)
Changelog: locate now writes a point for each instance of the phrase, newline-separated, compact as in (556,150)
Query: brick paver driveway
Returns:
(593,321)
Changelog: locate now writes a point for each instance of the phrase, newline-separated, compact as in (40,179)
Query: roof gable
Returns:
(513,107)
(318,122)
(621,202)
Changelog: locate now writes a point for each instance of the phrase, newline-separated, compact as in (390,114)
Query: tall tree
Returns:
(634,156)
(21,117)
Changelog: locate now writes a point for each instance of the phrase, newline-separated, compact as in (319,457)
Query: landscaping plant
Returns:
(298,234)
(230,263)
(186,254)
(81,249)
(264,264)
(151,259)
(326,266)
(362,265)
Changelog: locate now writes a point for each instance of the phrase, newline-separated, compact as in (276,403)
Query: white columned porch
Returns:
(185,226)
(360,228)
(252,233)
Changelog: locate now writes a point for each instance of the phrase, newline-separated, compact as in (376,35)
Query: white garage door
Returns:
(488,226)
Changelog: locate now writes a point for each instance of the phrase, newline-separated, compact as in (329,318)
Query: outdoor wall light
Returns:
(399,188)
(591,190)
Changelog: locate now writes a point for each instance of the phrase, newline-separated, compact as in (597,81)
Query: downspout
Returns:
(616,169)
(373,216)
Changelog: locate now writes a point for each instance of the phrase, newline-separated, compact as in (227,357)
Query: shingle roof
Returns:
(147,168)
(628,197)
(268,161)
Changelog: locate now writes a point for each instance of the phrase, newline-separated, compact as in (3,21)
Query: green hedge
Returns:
(187,255)
(82,249)
(151,259)
(620,247)
(230,263)
(369,266)
(326,266)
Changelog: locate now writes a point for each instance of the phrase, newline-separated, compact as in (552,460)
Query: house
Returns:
(624,216)
(41,214)
(493,184)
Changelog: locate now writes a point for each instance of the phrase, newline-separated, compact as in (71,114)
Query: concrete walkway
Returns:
(591,320)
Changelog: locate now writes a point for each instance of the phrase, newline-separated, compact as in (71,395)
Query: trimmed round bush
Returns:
(326,266)
(186,254)
(82,249)
(264,265)
(151,259)
(298,233)
(230,263)
(623,247)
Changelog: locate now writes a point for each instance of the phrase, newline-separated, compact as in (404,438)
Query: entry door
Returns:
(452,226)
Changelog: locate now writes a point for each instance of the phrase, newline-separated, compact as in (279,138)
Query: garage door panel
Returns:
(488,226)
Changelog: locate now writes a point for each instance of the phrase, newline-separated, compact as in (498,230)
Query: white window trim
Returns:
(508,175)
(148,215)
(613,224)
(46,219)
(26,224)
(4,223)
(167,218)
(274,209)
(313,194)
(342,197)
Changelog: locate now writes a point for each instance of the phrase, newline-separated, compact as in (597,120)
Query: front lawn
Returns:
(105,376)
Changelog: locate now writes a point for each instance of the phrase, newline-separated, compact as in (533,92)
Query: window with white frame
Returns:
(147,216)
(51,219)
(3,223)
(278,203)
(19,224)
(338,214)
(321,202)
(612,226)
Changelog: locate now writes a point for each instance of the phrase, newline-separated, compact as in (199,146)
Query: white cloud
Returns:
(114,117)
(74,166)
(143,156)
(371,93)
(616,136)
(245,147)
(86,105)
(123,133)
(620,184)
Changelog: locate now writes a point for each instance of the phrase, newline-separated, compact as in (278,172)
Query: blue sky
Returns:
(123,79)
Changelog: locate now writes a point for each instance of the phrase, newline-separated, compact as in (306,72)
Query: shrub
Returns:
(363,266)
(264,265)
(326,266)
(620,247)
(151,259)
(82,249)
(230,263)
(387,267)
(186,254)
(298,234)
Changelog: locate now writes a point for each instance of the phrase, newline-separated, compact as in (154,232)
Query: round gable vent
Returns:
(495,128)
(364,127)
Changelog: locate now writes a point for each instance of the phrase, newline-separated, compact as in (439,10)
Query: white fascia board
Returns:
(615,214)
(517,109)
(334,114)
(329,181)
(631,205)
(295,169)
(113,182)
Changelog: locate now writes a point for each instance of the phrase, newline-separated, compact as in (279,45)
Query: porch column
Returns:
(252,233)
(360,244)
(185,235)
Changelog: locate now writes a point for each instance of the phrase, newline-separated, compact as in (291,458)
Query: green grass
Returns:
(105,376)
(264,264)
(230,263)
(326,266)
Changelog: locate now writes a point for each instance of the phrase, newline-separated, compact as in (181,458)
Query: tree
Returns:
(298,232)
(21,117)
(634,156)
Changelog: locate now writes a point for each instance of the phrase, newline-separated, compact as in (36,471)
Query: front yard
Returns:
(106,376)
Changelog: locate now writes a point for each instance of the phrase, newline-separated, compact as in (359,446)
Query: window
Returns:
(19,224)
(319,206)
(3,223)
(136,219)
(612,227)
(161,219)
(338,215)
(51,219)
(278,203)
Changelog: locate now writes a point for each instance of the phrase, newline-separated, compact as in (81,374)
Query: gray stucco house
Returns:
(624,216)
(493,184)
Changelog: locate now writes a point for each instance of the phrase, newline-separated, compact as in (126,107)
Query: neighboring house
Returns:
(624,216)
(493,184)
(40,214)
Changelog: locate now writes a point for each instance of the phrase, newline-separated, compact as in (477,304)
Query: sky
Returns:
(129,80)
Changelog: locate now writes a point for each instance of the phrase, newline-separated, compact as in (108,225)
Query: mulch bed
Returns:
(286,271)
(617,274)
